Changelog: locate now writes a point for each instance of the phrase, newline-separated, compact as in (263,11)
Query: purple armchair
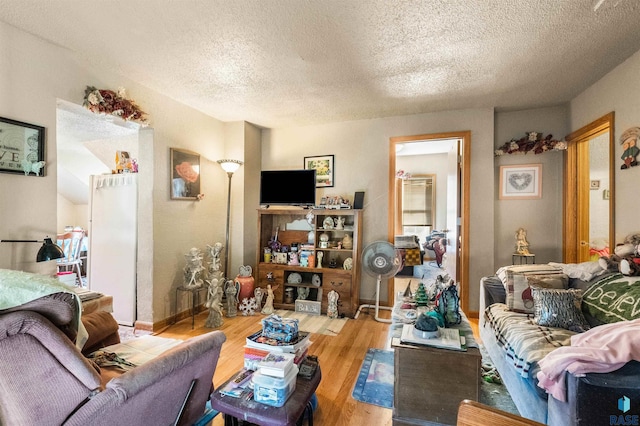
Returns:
(45,379)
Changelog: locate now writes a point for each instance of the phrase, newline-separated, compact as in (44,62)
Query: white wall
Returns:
(542,218)
(361,150)
(33,75)
(618,91)
(431,164)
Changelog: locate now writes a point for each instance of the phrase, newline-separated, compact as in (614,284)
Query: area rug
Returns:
(319,324)
(128,333)
(374,384)
(493,392)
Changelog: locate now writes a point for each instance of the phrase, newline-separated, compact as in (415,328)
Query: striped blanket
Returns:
(524,341)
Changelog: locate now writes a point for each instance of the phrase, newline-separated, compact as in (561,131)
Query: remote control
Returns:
(241,378)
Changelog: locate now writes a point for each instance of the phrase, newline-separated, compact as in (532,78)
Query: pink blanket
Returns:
(600,350)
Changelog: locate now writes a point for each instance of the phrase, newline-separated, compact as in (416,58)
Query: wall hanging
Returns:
(532,142)
(185,175)
(521,182)
(630,150)
(324,166)
(21,147)
(103,101)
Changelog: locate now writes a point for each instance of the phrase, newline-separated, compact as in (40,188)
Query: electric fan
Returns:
(382,260)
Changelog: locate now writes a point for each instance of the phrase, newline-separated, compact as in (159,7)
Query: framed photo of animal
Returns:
(21,148)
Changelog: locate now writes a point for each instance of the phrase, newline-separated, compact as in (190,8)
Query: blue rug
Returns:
(375,380)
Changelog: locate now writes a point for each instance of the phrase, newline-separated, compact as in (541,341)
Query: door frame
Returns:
(576,189)
(464,166)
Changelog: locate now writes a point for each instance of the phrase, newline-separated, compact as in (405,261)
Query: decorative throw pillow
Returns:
(559,308)
(519,297)
(613,298)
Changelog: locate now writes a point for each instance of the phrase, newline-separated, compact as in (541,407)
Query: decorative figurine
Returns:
(245,282)
(333,263)
(214,304)
(522,246)
(332,307)
(268,305)
(319,258)
(214,257)
(348,264)
(193,269)
(339,221)
(258,293)
(421,296)
(248,306)
(293,259)
(231,290)
(347,242)
(303,293)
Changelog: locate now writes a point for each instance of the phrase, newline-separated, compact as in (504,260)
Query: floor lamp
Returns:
(228,166)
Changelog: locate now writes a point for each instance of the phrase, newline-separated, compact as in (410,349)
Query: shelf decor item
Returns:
(323,165)
(104,101)
(21,147)
(532,142)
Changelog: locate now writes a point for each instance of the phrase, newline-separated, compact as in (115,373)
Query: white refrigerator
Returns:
(113,241)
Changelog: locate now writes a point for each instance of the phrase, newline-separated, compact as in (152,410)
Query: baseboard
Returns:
(164,323)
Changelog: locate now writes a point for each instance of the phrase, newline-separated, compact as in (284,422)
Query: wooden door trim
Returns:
(463,270)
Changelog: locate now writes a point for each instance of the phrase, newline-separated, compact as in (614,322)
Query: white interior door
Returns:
(452,254)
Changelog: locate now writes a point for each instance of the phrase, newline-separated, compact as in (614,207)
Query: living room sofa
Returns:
(590,399)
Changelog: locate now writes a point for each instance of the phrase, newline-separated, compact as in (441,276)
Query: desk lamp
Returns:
(48,251)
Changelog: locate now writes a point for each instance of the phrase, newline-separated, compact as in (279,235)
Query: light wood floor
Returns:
(340,360)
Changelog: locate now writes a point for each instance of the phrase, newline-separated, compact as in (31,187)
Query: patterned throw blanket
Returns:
(525,342)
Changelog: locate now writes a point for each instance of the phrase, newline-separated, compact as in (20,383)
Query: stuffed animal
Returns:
(625,258)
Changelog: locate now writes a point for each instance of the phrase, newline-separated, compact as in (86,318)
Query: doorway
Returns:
(456,221)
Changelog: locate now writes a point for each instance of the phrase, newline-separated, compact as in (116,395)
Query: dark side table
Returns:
(265,415)
(195,300)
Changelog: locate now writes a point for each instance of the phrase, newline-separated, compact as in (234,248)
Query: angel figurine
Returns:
(193,269)
(231,290)
(268,305)
(332,308)
(214,257)
(214,303)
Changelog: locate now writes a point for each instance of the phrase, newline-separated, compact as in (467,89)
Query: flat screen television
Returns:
(288,187)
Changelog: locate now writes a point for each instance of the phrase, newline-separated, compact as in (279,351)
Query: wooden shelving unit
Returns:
(293,228)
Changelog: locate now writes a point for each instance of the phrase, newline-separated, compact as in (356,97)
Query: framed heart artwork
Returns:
(521,182)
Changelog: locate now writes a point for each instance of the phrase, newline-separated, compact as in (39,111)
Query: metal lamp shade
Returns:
(49,251)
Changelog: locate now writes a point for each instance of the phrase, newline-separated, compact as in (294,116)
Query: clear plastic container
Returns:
(274,391)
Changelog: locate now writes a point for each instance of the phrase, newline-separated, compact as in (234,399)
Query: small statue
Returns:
(522,246)
(293,259)
(303,293)
(214,257)
(339,221)
(214,304)
(332,307)
(258,293)
(319,256)
(268,305)
(193,269)
(347,242)
(231,290)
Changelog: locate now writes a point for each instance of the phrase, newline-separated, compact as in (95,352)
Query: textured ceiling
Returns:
(296,62)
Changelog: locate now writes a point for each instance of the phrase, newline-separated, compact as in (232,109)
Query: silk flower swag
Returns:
(102,101)
(532,142)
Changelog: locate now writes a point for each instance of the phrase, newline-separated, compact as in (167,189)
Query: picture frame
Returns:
(324,167)
(184,174)
(521,182)
(21,148)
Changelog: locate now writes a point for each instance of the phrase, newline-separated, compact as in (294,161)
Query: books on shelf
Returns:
(276,364)
(449,338)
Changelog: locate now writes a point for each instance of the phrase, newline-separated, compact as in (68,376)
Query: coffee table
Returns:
(255,412)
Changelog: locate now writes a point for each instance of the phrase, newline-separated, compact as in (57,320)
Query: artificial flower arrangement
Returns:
(102,101)
(532,142)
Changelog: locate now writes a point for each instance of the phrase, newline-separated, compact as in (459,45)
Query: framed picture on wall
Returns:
(521,182)
(185,174)
(21,147)
(323,165)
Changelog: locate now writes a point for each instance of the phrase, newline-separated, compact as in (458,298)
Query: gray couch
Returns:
(591,399)
(46,380)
